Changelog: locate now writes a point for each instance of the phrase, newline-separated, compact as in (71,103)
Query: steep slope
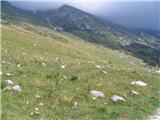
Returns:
(90,28)
(19,16)
(56,70)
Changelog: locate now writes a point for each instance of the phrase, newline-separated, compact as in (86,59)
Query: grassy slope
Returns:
(57,93)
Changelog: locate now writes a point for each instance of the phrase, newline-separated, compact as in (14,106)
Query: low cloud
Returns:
(140,15)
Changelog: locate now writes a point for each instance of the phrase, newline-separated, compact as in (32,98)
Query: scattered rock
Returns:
(57,59)
(133,92)
(105,72)
(44,64)
(6,51)
(40,104)
(24,54)
(94,98)
(9,82)
(16,88)
(34,113)
(155,115)
(1,73)
(98,66)
(41,58)
(9,63)
(24,75)
(95,94)
(99,84)
(35,45)
(157,71)
(7,88)
(31,113)
(120,56)
(63,66)
(139,83)
(116,98)
(57,28)
(19,65)
(3,62)
(75,104)
(37,96)
(9,74)
(27,102)
(65,77)
(131,62)
(77,88)
(36,109)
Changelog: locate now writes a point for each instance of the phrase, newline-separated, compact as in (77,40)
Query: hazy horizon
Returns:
(143,15)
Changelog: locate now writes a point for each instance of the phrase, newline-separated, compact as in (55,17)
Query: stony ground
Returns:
(155,115)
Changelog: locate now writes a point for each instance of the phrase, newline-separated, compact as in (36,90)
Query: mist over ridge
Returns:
(138,15)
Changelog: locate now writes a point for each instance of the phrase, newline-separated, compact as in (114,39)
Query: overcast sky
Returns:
(141,14)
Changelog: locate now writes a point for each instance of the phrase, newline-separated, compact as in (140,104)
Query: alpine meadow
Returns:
(65,63)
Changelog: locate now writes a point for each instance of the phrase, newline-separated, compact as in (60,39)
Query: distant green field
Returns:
(42,52)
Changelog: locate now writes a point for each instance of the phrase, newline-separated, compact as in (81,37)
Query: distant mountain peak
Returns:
(71,18)
(66,6)
(69,9)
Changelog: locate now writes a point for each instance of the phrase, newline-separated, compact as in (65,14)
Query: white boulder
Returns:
(65,77)
(44,64)
(35,44)
(6,51)
(35,113)
(9,82)
(105,72)
(1,73)
(41,58)
(75,104)
(16,88)
(3,62)
(98,66)
(27,102)
(157,71)
(9,74)
(36,109)
(133,92)
(37,96)
(95,94)
(138,83)
(19,65)
(40,104)
(63,66)
(7,88)
(116,98)
(57,59)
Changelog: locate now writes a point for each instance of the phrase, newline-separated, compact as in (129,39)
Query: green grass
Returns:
(31,49)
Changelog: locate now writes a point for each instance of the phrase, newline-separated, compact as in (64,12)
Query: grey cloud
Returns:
(139,15)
